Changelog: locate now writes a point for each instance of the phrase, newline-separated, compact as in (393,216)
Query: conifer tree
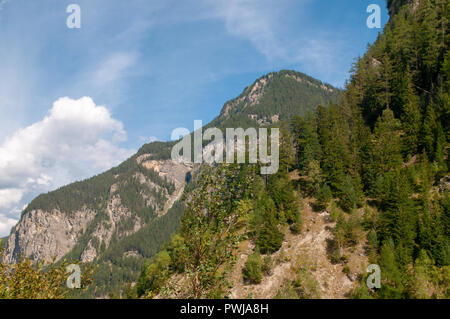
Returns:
(391,278)
(269,238)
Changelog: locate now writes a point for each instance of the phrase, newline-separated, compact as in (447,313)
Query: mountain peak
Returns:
(274,97)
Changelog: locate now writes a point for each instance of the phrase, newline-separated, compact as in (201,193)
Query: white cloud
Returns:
(256,20)
(74,141)
(113,67)
(6,224)
(269,26)
(10,197)
(107,78)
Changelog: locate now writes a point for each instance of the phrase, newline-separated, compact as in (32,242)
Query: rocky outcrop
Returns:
(47,234)
(276,97)
(51,234)
(250,96)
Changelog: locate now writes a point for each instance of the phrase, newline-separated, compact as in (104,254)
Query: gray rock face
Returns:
(44,235)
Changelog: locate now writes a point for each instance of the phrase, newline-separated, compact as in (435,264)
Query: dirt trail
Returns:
(311,248)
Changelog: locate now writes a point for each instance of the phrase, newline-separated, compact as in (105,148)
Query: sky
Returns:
(77,101)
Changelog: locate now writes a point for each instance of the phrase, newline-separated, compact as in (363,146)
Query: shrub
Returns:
(344,259)
(349,195)
(252,271)
(296,227)
(270,239)
(346,270)
(267,266)
(28,280)
(323,196)
(154,274)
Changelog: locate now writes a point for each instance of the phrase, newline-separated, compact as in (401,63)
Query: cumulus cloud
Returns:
(10,197)
(75,140)
(6,224)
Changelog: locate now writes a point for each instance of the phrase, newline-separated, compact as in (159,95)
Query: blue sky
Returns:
(145,68)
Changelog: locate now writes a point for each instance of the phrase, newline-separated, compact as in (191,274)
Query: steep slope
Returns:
(89,215)
(275,97)
(373,173)
(105,219)
(308,251)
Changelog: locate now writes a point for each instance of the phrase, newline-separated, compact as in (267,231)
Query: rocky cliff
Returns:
(140,190)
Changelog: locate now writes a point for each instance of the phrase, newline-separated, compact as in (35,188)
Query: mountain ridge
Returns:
(91,219)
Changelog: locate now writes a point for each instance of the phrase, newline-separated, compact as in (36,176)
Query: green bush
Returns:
(296,227)
(270,239)
(252,272)
(346,270)
(349,195)
(323,196)
(267,266)
(154,274)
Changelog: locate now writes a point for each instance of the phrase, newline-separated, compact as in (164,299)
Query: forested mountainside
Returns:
(274,98)
(118,218)
(373,167)
(126,211)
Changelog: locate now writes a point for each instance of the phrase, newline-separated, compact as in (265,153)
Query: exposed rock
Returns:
(131,253)
(89,254)
(52,234)
(47,235)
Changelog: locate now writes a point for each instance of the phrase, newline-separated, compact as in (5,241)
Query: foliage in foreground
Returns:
(27,280)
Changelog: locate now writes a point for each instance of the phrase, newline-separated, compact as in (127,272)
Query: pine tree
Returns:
(350,195)
(431,235)
(399,219)
(306,140)
(411,118)
(334,134)
(287,151)
(269,238)
(428,130)
(391,283)
(323,196)
(281,191)
(387,148)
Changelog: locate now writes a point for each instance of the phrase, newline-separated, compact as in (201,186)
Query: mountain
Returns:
(120,217)
(363,186)
(362,181)
(273,98)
